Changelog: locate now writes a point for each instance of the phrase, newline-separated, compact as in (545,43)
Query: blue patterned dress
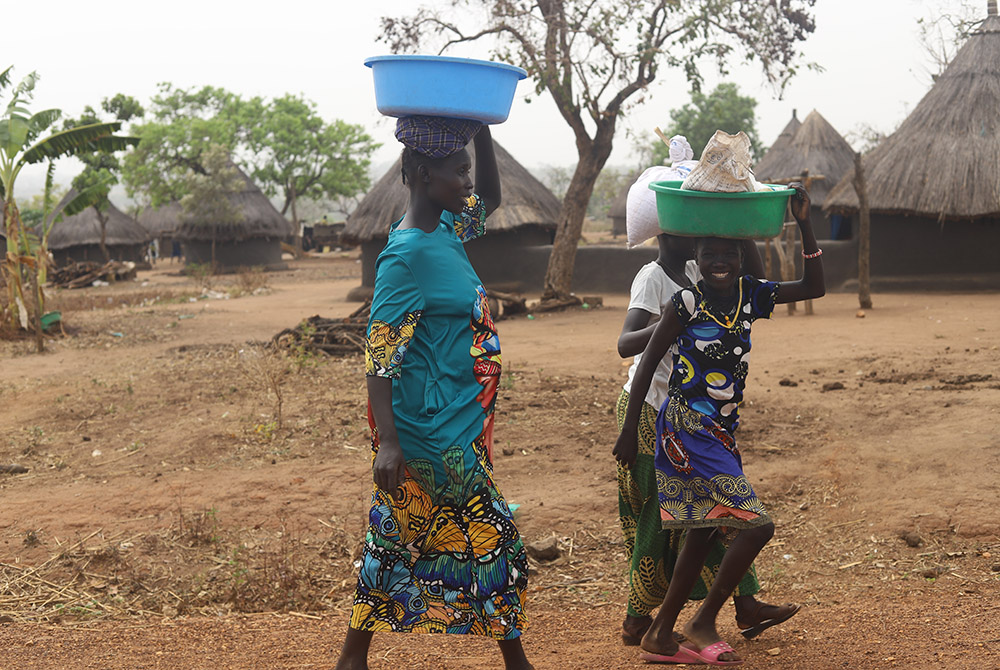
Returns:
(699,472)
(446,558)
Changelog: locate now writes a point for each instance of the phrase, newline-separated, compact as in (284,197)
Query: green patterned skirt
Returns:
(652,551)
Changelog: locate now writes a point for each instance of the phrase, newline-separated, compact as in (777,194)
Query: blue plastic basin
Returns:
(460,88)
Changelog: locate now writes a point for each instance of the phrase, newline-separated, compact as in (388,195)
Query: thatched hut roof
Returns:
(942,162)
(258,218)
(84,228)
(526,201)
(816,147)
(162,220)
(780,144)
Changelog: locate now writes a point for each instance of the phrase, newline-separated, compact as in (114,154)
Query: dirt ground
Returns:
(196,500)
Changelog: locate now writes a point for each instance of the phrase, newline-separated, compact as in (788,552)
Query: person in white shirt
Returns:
(652,551)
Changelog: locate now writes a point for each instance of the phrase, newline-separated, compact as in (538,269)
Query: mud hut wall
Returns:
(230,256)
(840,261)
(135,253)
(909,245)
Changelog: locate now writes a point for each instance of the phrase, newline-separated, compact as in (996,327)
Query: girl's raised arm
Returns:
(487,174)
(812,285)
(664,335)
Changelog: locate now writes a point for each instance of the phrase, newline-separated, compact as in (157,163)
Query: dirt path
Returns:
(164,498)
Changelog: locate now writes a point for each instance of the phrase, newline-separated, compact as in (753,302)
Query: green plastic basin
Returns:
(757,215)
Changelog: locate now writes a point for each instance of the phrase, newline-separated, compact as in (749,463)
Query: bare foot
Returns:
(702,635)
(659,640)
(633,628)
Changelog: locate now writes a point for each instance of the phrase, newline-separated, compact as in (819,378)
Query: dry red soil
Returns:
(170,520)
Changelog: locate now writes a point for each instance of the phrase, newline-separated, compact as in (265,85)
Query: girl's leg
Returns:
(354,654)
(513,655)
(659,639)
(700,630)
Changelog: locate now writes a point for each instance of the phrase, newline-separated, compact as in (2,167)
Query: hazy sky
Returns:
(875,69)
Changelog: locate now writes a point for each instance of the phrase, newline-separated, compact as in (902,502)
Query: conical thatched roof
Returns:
(526,201)
(84,228)
(780,144)
(943,160)
(816,147)
(161,220)
(259,218)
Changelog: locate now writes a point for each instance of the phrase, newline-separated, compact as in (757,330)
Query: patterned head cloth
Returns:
(435,136)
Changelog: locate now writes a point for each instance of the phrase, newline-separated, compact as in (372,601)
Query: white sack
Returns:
(641,222)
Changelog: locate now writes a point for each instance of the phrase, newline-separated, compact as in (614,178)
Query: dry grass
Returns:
(74,301)
(196,565)
(249,281)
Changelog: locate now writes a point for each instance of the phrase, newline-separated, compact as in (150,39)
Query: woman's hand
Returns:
(389,468)
(800,202)
(626,447)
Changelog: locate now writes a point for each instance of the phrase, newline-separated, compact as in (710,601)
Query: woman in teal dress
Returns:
(442,554)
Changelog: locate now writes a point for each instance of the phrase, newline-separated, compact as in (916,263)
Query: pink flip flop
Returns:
(710,654)
(682,655)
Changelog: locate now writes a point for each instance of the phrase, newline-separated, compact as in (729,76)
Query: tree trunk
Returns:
(864,236)
(559,273)
(103,219)
(296,228)
(37,320)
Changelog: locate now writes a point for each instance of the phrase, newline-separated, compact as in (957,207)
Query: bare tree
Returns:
(944,31)
(596,58)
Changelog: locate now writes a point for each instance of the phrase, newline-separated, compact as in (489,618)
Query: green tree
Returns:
(101,169)
(283,144)
(294,153)
(182,125)
(21,143)
(722,109)
(596,58)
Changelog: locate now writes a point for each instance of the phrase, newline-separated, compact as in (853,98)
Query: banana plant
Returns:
(24,266)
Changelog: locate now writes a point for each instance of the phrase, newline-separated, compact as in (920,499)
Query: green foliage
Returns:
(295,154)
(25,263)
(722,109)
(286,147)
(185,124)
(206,197)
(102,169)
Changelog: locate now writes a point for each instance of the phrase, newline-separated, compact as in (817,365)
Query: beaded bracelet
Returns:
(815,254)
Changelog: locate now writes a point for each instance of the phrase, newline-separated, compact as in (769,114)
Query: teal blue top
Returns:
(431,332)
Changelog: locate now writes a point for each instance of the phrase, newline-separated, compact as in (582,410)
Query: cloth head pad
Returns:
(435,136)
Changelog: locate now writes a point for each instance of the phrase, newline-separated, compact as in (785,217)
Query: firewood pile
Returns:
(339,337)
(79,275)
(333,337)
